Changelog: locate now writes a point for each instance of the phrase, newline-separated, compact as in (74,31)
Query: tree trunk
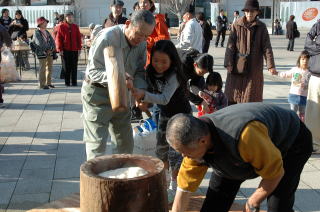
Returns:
(145,193)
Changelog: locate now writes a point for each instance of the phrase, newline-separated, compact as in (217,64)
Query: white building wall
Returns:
(306,13)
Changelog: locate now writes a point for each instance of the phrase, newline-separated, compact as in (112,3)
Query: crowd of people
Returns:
(165,78)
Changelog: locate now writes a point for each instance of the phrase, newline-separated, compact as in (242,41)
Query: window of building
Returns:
(265,12)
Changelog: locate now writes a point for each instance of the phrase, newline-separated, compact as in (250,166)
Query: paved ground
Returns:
(41,145)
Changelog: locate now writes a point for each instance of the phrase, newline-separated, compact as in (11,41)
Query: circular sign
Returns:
(310,14)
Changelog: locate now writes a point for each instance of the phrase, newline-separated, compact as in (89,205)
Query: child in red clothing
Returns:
(213,94)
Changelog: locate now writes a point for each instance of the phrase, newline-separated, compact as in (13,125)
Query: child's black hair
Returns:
(304,54)
(4,10)
(168,48)
(205,61)
(214,78)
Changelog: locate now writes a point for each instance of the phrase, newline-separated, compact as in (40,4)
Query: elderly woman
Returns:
(44,46)
(248,43)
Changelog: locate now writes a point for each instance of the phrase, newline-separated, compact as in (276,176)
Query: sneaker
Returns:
(51,86)
(2,105)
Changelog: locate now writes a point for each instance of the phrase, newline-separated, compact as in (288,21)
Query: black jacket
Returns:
(188,59)
(227,124)
(115,21)
(291,28)
(5,23)
(206,29)
(4,37)
(16,31)
(222,23)
(312,45)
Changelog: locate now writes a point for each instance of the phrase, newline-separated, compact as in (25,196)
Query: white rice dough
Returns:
(124,173)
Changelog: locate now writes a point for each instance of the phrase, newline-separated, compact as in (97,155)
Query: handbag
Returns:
(240,66)
(145,138)
(296,33)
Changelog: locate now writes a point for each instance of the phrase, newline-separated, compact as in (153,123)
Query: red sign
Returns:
(310,14)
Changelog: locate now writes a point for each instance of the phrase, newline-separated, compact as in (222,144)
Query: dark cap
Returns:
(117,3)
(67,13)
(251,5)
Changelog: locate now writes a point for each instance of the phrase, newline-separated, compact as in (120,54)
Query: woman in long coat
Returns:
(248,34)
(291,29)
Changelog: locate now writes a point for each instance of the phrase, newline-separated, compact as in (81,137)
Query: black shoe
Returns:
(75,85)
(67,85)
(45,87)
(51,86)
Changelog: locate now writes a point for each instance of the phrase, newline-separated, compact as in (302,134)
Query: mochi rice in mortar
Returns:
(124,173)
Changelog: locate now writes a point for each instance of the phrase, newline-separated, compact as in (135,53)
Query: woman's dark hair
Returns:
(291,17)
(303,54)
(205,61)
(19,12)
(135,5)
(168,48)
(153,7)
(214,78)
(61,18)
(200,16)
(4,10)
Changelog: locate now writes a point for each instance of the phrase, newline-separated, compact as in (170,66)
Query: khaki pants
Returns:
(313,110)
(45,71)
(99,120)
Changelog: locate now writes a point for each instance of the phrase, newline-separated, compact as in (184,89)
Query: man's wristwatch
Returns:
(252,208)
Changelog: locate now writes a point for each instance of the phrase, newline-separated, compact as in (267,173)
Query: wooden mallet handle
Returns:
(116,79)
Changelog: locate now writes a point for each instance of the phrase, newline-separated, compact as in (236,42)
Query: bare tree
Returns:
(178,7)
(5,2)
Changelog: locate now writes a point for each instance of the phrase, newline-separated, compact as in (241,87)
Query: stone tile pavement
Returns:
(41,145)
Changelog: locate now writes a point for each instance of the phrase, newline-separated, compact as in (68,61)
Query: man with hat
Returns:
(115,16)
(43,46)
(248,45)
(68,42)
(241,142)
